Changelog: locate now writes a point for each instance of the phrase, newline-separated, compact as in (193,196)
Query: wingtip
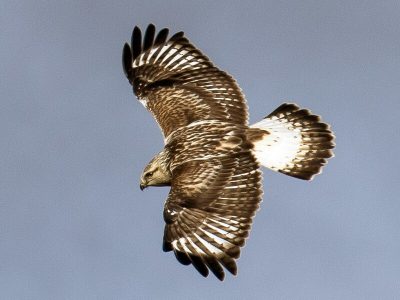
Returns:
(136,42)
(127,59)
(218,272)
(177,35)
(149,37)
(136,34)
(161,36)
(199,265)
(220,276)
(182,257)
(136,30)
(152,26)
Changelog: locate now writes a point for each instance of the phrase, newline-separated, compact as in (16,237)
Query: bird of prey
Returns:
(212,156)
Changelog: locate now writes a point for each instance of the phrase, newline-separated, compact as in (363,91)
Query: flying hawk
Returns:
(212,156)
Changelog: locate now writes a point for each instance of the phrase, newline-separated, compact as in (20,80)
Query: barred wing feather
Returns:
(174,80)
(209,212)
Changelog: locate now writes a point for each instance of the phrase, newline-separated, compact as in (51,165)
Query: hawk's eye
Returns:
(149,174)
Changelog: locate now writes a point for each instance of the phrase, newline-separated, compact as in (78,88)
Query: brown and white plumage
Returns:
(178,84)
(211,157)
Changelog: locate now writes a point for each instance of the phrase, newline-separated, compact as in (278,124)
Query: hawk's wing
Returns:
(209,211)
(178,84)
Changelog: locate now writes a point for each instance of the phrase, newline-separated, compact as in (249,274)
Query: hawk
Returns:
(212,156)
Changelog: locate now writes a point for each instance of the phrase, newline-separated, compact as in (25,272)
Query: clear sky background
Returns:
(74,140)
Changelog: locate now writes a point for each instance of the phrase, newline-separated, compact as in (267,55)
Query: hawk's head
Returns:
(156,173)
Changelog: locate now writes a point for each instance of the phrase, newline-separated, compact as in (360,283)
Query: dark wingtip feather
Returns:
(136,42)
(167,247)
(219,275)
(126,59)
(161,36)
(229,264)
(182,257)
(200,266)
(215,267)
(177,35)
(149,37)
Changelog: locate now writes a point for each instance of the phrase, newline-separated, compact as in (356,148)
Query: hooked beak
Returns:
(142,186)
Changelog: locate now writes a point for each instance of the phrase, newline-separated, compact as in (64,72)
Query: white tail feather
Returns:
(297,143)
(279,147)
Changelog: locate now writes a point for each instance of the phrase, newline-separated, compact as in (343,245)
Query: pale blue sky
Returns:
(73,221)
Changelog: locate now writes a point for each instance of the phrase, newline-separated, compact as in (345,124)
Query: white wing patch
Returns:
(221,231)
(209,246)
(172,50)
(139,61)
(232,228)
(217,239)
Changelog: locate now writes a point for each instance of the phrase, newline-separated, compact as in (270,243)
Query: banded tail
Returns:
(298,144)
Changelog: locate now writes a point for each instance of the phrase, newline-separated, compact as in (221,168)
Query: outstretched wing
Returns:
(178,84)
(209,211)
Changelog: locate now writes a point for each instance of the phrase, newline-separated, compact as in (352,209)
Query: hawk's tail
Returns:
(297,144)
